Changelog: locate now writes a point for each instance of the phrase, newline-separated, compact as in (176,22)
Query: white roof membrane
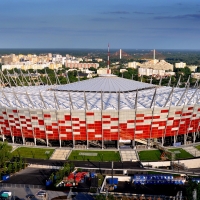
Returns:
(105,84)
(42,98)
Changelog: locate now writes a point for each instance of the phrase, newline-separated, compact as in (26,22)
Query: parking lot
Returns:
(30,176)
(23,192)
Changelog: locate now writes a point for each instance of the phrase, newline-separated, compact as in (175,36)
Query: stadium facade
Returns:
(98,111)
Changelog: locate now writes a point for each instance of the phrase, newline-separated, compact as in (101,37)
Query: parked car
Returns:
(5,193)
(41,193)
(30,196)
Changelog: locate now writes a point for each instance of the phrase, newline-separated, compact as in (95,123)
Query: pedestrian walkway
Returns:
(14,147)
(128,155)
(44,166)
(192,150)
(60,154)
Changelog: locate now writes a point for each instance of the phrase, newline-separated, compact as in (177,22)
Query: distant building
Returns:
(102,71)
(193,68)
(195,75)
(153,72)
(180,65)
(98,59)
(156,64)
(122,70)
(81,65)
(133,65)
(32,66)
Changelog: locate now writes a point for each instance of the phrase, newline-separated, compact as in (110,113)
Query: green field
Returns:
(39,153)
(198,147)
(150,155)
(100,155)
(182,155)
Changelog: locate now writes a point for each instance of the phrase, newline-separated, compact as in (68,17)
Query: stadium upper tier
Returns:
(105,84)
(48,97)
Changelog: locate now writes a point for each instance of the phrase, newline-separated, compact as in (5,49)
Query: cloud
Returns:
(185,17)
(117,12)
(143,13)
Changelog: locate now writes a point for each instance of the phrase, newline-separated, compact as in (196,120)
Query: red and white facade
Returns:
(38,113)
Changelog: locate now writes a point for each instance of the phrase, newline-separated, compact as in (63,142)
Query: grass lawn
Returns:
(39,153)
(150,155)
(198,147)
(182,155)
(100,155)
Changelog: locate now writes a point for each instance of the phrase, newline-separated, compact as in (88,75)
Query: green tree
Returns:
(100,197)
(5,153)
(192,185)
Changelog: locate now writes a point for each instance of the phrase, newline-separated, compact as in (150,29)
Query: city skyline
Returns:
(92,24)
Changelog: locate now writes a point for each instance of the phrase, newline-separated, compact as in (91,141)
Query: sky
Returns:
(126,24)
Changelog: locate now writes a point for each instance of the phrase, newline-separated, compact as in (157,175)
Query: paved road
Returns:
(31,176)
(23,192)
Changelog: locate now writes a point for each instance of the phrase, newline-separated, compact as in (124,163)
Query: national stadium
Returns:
(107,111)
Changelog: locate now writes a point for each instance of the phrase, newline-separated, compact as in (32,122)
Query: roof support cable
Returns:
(42,100)
(153,99)
(29,77)
(17,99)
(9,75)
(70,100)
(18,77)
(30,100)
(178,83)
(86,105)
(151,79)
(56,100)
(78,76)
(2,83)
(119,100)
(39,78)
(196,83)
(169,97)
(57,79)
(7,80)
(67,77)
(170,80)
(136,99)
(23,76)
(101,100)
(2,80)
(182,96)
(6,98)
(47,76)
(188,82)
(192,96)
(160,82)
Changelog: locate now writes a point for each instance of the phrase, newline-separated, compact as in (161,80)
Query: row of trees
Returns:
(8,163)
(58,176)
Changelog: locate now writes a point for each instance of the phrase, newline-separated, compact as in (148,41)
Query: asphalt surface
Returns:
(23,192)
(30,176)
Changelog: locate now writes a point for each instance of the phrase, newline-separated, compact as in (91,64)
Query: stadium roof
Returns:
(105,84)
(40,97)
